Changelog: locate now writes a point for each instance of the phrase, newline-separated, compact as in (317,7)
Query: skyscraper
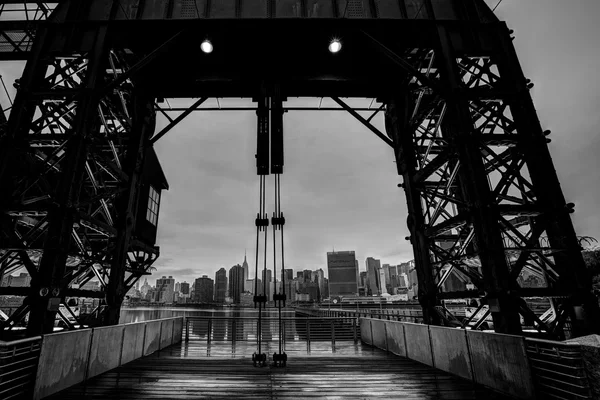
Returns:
(236,283)
(307,275)
(204,290)
(220,286)
(185,288)
(373,267)
(268,284)
(289,274)
(245,267)
(320,281)
(342,271)
(145,288)
(165,287)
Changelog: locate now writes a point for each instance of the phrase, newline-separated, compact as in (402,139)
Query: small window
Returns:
(152,212)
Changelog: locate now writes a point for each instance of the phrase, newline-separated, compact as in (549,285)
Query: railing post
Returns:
(354,330)
(209,330)
(308,334)
(333,334)
(233,330)
(187,329)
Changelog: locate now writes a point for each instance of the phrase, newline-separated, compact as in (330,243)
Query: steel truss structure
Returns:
(484,201)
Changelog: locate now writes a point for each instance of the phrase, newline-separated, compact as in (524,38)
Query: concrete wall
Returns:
(490,359)
(500,361)
(450,351)
(378,330)
(133,342)
(418,345)
(63,361)
(166,333)
(365,330)
(395,338)
(68,358)
(105,351)
(152,337)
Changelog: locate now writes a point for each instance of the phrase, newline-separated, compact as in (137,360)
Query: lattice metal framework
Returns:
(484,200)
(72,168)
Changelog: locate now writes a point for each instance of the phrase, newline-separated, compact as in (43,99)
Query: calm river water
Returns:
(145,314)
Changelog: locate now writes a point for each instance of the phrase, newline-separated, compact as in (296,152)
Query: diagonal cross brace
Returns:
(364,121)
(177,120)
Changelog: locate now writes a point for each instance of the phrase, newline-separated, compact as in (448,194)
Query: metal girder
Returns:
(69,167)
(483,208)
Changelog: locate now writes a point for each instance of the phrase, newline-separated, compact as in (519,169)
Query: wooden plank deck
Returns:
(220,371)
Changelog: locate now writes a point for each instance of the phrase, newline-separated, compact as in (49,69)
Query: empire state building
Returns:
(245,267)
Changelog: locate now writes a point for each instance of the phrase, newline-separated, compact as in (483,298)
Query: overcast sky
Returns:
(339,183)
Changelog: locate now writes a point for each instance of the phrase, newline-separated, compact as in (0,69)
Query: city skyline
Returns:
(361,267)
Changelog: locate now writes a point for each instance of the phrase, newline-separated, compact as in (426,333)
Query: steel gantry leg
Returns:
(142,127)
(485,205)
(47,291)
(397,119)
(573,285)
(71,160)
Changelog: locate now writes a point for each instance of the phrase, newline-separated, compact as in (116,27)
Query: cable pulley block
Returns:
(262,222)
(279,360)
(259,359)
(278,221)
(279,297)
(260,299)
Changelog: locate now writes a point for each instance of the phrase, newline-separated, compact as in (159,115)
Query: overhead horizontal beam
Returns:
(178,109)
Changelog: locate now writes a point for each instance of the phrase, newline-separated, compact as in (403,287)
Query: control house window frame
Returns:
(153,205)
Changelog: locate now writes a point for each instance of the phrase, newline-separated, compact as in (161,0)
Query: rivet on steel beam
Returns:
(529,84)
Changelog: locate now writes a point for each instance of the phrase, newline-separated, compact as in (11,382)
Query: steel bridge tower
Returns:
(484,200)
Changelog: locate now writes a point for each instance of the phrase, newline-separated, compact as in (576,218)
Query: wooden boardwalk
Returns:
(219,371)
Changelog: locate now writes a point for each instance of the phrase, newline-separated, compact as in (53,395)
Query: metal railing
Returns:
(558,370)
(297,329)
(18,367)
(390,315)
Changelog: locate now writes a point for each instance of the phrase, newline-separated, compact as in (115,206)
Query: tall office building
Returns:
(362,283)
(145,288)
(307,275)
(373,267)
(268,283)
(249,286)
(342,271)
(236,283)
(319,279)
(382,282)
(204,290)
(185,288)
(177,287)
(220,286)
(386,271)
(165,287)
(246,268)
(289,274)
